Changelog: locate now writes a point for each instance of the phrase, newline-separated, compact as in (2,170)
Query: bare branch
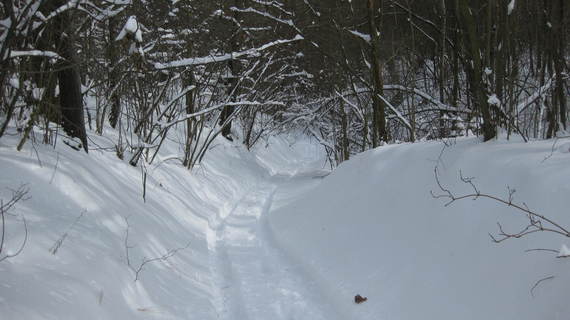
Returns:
(19,194)
(537,222)
(138,269)
(538,282)
(59,242)
(540,249)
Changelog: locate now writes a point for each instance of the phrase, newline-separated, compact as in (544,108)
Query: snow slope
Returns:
(207,214)
(372,228)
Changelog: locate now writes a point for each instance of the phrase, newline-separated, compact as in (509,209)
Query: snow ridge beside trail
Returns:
(415,258)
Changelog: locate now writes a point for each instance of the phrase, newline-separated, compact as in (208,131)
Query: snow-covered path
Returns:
(253,277)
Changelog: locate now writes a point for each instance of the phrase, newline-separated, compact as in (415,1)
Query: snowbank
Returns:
(83,203)
(372,228)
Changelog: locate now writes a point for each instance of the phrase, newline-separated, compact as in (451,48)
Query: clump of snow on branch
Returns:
(511,7)
(494,100)
(131,30)
(564,252)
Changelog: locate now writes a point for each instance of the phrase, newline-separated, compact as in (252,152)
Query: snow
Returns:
(564,251)
(494,100)
(510,7)
(224,57)
(34,53)
(84,202)
(372,228)
(363,36)
(288,22)
(131,27)
(271,234)
(564,148)
(536,95)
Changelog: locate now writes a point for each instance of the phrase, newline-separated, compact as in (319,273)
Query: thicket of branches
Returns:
(354,74)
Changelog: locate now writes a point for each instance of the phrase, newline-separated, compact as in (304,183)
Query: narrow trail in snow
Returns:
(253,277)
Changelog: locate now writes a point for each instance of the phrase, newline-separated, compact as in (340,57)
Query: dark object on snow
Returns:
(359,299)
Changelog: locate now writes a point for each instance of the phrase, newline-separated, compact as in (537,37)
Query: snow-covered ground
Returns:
(372,228)
(226,268)
(269,234)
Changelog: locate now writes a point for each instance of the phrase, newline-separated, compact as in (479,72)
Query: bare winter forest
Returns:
(355,74)
(194,133)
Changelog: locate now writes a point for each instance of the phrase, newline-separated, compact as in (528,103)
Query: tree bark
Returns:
(472,44)
(69,79)
(114,74)
(378,109)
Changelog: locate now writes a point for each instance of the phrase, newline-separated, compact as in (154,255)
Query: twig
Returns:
(137,270)
(538,282)
(54,169)
(553,148)
(17,195)
(539,249)
(59,242)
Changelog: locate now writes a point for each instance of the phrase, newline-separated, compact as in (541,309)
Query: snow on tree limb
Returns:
(69,5)
(529,100)
(224,57)
(363,36)
(315,12)
(275,4)
(422,94)
(35,53)
(396,112)
(288,22)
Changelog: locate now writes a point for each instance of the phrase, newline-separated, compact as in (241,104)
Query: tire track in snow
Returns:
(254,279)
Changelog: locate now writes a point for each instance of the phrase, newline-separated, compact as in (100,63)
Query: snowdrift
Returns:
(74,264)
(373,228)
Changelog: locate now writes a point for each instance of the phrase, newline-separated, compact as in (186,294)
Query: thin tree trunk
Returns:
(378,109)
(478,88)
(114,75)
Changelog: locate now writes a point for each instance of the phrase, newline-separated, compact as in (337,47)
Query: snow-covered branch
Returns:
(541,91)
(288,22)
(439,104)
(35,53)
(224,57)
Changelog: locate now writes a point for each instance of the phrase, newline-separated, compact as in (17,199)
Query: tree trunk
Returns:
(114,74)
(559,59)
(378,109)
(69,78)
(70,97)
(233,81)
(472,44)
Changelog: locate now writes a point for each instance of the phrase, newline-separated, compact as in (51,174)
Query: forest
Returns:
(208,154)
(355,75)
